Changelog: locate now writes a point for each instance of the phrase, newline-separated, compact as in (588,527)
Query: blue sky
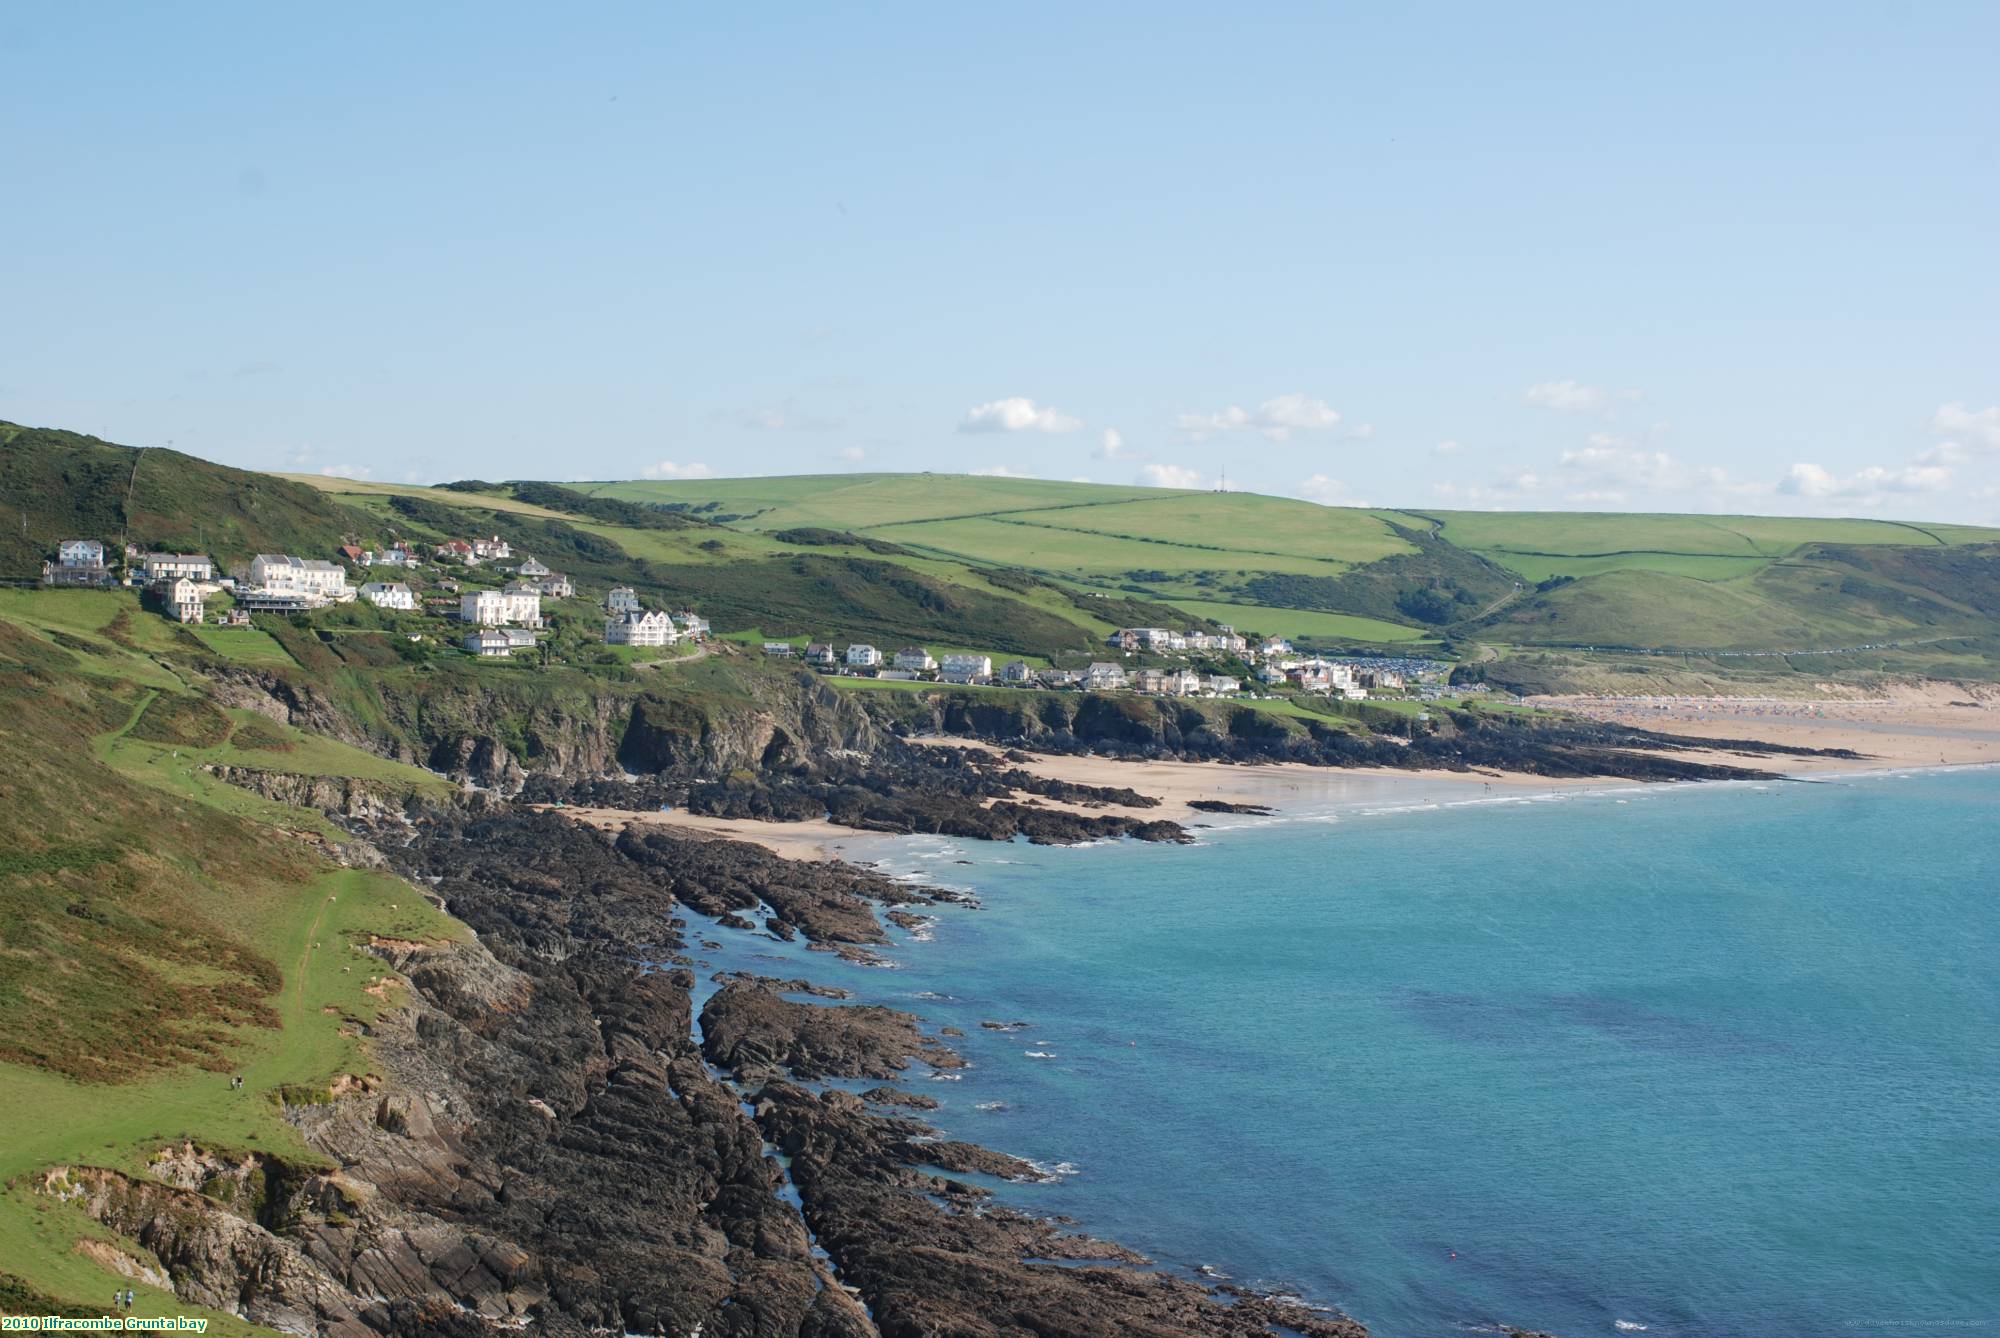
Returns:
(1735,258)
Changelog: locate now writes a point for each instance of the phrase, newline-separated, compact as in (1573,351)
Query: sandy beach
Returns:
(1912,725)
(1905,725)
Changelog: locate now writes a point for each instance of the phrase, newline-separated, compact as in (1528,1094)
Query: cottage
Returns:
(1102,677)
(494,608)
(492,550)
(861,656)
(915,659)
(639,628)
(621,599)
(1182,683)
(489,643)
(457,550)
(1148,680)
(352,552)
(532,570)
(1222,685)
(821,655)
(389,595)
(173,566)
(278,573)
(1017,673)
(965,668)
(555,586)
(389,557)
(781,649)
(693,626)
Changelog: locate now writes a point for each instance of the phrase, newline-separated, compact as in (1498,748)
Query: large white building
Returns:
(181,597)
(861,656)
(637,628)
(279,573)
(1102,676)
(621,599)
(389,595)
(80,553)
(519,604)
(965,668)
(915,659)
(173,566)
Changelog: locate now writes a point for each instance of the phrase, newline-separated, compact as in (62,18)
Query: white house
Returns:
(531,569)
(279,573)
(621,599)
(181,598)
(1102,676)
(1182,683)
(863,657)
(173,566)
(638,628)
(693,626)
(489,642)
(80,553)
(821,655)
(1016,672)
(495,547)
(555,586)
(520,604)
(1222,685)
(965,668)
(915,659)
(389,595)
(781,649)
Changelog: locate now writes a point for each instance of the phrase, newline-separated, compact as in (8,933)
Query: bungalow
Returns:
(860,656)
(965,668)
(389,595)
(530,570)
(781,649)
(353,553)
(915,659)
(492,549)
(515,604)
(1017,673)
(555,586)
(172,566)
(621,599)
(489,643)
(820,655)
(1222,685)
(1059,678)
(638,628)
(279,573)
(236,617)
(389,557)
(1101,677)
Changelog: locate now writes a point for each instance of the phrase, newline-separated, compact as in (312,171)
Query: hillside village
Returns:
(487,600)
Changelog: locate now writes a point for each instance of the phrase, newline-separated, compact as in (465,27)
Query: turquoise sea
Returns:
(1715,1060)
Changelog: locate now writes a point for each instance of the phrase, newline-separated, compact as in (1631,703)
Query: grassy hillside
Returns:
(59,485)
(159,930)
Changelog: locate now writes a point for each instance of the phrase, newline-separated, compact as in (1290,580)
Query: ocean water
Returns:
(1713,1060)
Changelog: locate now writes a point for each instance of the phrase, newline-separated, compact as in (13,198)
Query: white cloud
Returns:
(668,469)
(1614,459)
(1112,447)
(1017,414)
(1567,396)
(1809,480)
(1980,428)
(1277,418)
(1327,491)
(1171,476)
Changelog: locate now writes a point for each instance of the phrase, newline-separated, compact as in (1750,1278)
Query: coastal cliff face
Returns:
(549,1137)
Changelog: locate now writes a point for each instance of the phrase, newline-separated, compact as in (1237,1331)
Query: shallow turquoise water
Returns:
(1708,1059)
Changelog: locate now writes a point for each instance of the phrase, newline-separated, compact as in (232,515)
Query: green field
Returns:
(244,645)
(1302,623)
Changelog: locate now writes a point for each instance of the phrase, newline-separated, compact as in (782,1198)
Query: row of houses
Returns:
(1165,641)
(917,663)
